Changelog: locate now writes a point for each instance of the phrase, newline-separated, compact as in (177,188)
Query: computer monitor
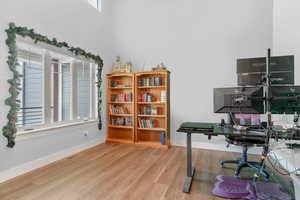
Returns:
(285,99)
(252,71)
(244,100)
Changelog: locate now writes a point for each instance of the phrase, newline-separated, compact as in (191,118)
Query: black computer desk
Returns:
(215,129)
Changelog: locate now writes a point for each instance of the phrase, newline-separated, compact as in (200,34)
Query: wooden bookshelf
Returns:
(155,109)
(120,106)
(150,103)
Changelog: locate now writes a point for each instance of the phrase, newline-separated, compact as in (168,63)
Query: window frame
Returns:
(60,123)
(98,5)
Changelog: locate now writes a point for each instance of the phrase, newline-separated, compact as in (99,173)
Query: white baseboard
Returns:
(35,164)
(218,147)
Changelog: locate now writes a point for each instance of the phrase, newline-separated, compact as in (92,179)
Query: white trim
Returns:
(35,164)
(91,90)
(43,86)
(60,92)
(71,90)
(21,135)
(218,147)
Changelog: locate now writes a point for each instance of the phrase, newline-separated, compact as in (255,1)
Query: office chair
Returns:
(243,162)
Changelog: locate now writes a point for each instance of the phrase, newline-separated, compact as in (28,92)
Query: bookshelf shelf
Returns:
(120,102)
(151,102)
(120,88)
(152,87)
(152,144)
(115,126)
(121,115)
(152,129)
(143,97)
(154,116)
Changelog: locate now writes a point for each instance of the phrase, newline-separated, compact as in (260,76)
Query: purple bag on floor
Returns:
(266,191)
(232,187)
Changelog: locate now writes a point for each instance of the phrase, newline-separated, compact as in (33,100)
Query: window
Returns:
(95,3)
(55,88)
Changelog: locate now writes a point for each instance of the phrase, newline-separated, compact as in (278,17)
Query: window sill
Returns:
(22,135)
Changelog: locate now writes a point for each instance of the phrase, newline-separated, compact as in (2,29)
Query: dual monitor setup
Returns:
(250,96)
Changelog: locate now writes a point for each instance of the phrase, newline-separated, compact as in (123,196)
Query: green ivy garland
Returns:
(10,129)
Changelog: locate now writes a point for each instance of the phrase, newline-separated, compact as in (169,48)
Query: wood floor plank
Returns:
(120,172)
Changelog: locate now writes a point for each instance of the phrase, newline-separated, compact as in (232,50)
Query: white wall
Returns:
(286,31)
(75,22)
(199,40)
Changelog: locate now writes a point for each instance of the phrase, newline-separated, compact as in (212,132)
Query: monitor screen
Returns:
(280,104)
(252,71)
(244,100)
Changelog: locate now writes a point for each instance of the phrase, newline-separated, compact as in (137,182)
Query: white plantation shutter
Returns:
(31,108)
(47,88)
(75,66)
(93,91)
(83,90)
(66,91)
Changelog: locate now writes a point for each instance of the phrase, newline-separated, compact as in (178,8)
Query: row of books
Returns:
(149,110)
(146,123)
(121,121)
(115,109)
(123,97)
(146,97)
(150,81)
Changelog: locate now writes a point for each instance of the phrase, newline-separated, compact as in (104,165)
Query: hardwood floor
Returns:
(123,172)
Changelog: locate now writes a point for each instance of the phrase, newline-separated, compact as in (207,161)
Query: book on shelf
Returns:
(163,96)
(117,84)
(146,123)
(149,110)
(146,97)
(114,83)
(115,109)
(150,81)
(121,121)
(123,97)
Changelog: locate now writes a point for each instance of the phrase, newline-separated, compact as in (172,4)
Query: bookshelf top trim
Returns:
(152,72)
(130,74)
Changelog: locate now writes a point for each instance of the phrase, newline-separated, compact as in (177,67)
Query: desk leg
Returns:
(190,170)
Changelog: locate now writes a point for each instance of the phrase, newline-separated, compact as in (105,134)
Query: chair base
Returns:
(256,166)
